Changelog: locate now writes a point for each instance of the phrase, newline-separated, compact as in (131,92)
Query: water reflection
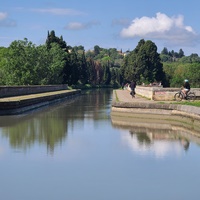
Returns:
(50,126)
(153,137)
(92,158)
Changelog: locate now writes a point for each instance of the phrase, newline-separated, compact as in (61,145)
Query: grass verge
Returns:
(116,97)
(194,103)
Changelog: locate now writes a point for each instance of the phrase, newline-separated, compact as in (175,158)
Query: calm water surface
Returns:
(73,151)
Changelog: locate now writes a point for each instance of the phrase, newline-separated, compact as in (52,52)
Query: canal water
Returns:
(75,151)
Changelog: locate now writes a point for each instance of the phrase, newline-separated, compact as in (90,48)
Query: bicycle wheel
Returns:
(178,96)
(191,96)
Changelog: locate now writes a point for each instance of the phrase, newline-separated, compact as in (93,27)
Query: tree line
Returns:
(55,62)
(178,67)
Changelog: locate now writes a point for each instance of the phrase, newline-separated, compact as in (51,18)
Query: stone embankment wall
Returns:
(10,91)
(19,99)
(160,93)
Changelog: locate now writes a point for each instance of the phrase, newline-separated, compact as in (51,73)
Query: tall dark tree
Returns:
(181,53)
(91,71)
(67,71)
(74,67)
(96,50)
(83,69)
(165,51)
(106,75)
(143,64)
(52,38)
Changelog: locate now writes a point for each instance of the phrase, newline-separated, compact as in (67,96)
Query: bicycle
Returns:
(179,96)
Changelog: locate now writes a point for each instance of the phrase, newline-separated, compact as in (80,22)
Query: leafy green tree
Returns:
(143,64)
(3,60)
(28,64)
(193,74)
(56,64)
(21,59)
(165,58)
(153,67)
(194,58)
(89,54)
(79,49)
(177,72)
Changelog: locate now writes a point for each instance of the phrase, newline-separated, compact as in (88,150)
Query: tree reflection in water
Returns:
(158,135)
(43,129)
(145,138)
(50,126)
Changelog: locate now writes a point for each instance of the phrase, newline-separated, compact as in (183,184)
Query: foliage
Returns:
(143,64)
(55,62)
(177,72)
(30,65)
(194,103)
(21,59)
(171,56)
(3,52)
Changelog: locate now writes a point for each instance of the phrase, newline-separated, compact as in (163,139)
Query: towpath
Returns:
(124,96)
(123,99)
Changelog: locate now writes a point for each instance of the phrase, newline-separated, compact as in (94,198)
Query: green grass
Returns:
(194,103)
(117,99)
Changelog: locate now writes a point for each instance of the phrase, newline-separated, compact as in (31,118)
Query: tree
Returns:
(106,75)
(74,65)
(96,50)
(91,71)
(143,64)
(3,60)
(30,65)
(181,53)
(21,60)
(52,38)
(83,69)
(56,64)
(165,51)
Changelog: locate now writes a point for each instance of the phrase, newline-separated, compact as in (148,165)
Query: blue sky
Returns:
(174,24)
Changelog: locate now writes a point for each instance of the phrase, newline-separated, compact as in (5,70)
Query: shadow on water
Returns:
(49,125)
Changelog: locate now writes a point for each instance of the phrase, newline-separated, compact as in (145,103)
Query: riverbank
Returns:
(140,111)
(23,103)
(143,109)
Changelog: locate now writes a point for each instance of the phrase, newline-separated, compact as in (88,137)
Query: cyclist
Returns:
(186,87)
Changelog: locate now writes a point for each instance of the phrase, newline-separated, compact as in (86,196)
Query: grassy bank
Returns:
(194,103)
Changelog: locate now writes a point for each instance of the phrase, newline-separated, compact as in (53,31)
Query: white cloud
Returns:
(75,26)
(161,27)
(80,26)
(58,11)
(5,21)
(3,16)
